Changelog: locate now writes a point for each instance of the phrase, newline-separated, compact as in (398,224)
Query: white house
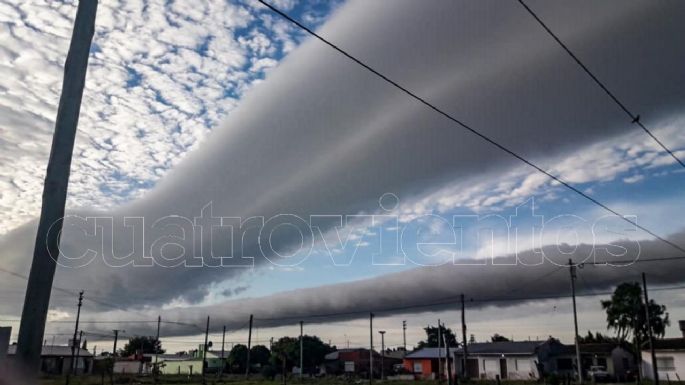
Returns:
(513,360)
(670,358)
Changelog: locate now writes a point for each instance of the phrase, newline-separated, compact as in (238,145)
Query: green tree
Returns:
(259,354)
(626,313)
(315,352)
(148,345)
(432,337)
(237,358)
(498,338)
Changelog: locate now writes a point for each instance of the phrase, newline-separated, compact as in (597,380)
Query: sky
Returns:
(373,201)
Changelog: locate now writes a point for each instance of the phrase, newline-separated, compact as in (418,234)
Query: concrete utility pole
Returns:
(46,248)
(464,372)
(370,348)
(404,335)
(78,351)
(650,335)
(447,353)
(249,344)
(301,349)
(572,269)
(382,333)
(73,341)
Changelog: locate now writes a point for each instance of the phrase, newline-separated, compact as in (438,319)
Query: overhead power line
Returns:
(469,128)
(634,118)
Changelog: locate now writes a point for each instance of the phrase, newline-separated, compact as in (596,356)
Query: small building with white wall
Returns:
(510,360)
(670,358)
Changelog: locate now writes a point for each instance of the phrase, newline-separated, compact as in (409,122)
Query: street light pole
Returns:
(382,333)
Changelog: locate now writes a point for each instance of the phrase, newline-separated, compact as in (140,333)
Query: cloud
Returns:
(498,283)
(161,75)
(320,135)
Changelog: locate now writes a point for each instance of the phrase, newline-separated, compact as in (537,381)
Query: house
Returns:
(427,363)
(188,363)
(615,359)
(529,360)
(56,359)
(513,360)
(670,358)
(179,364)
(352,361)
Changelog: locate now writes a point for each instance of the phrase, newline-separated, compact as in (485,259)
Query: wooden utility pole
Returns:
(223,362)
(370,348)
(439,352)
(204,351)
(73,341)
(155,368)
(249,344)
(572,270)
(301,349)
(464,372)
(46,248)
(650,335)
(116,338)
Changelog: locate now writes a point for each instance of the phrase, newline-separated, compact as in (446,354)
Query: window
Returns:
(665,363)
(602,361)
(418,368)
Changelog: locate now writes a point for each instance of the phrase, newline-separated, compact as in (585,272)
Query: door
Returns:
(503,368)
(472,368)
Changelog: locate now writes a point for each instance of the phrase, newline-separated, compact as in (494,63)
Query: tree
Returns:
(626,313)
(597,338)
(259,355)
(498,338)
(145,345)
(237,358)
(432,337)
(288,348)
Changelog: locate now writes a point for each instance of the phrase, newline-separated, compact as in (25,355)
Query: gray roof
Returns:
(430,353)
(52,350)
(502,347)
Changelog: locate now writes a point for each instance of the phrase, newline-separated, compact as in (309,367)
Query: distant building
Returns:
(57,359)
(670,358)
(513,360)
(520,360)
(354,361)
(426,363)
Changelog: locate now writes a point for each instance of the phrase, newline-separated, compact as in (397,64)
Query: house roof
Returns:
(429,353)
(52,350)
(670,344)
(336,354)
(502,347)
(591,348)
